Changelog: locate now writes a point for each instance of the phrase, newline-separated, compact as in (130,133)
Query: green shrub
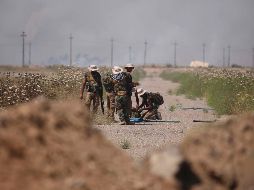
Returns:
(228,92)
(138,74)
(125,144)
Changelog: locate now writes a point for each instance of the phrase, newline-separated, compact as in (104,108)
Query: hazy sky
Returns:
(48,24)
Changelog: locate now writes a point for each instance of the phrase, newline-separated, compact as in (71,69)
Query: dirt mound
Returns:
(46,145)
(219,157)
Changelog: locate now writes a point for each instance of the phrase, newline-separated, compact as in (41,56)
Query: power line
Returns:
(229,56)
(204,46)
(23,35)
(29,61)
(224,57)
(112,51)
(145,52)
(252,57)
(71,38)
(175,44)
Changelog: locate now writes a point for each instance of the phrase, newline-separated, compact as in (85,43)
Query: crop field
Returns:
(228,91)
(19,86)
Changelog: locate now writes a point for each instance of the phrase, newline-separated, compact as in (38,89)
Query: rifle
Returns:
(204,121)
(101,99)
(197,108)
(140,120)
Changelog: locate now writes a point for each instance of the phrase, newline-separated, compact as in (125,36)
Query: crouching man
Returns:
(150,104)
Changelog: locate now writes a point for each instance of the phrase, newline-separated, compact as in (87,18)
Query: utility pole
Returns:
(229,47)
(23,35)
(204,46)
(130,54)
(112,51)
(145,53)
(224,57)
(175,44)
(29,61)
(71,38)
(253,58)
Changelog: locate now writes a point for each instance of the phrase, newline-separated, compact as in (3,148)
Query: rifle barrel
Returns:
(204,121)
(162,121)
(198,108)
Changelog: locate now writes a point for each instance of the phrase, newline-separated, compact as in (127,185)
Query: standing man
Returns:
(120,80)
(93,86)
(130,86)
(110,95)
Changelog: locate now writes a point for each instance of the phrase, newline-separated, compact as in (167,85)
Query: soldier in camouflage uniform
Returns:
(110,95)
(150,104)
(120,80)
(93,86)
(131,87)
(129,68)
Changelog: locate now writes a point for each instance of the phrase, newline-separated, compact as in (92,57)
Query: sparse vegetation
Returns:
(172,108)
(138,74)
(125,144)
(16,88)
(21,85)
(228,91)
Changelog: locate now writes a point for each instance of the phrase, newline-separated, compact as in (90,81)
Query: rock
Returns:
(165,163)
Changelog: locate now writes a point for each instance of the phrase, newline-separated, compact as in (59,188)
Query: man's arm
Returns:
(146,108)
(142,104)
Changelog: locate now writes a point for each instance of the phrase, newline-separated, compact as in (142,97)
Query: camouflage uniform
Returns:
(120,89)
(93,89)
(110,95)
(129,92)
(148,101)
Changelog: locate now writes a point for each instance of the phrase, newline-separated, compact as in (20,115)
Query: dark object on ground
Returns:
(204,121)
(217,156)
(198,108)
(141,120)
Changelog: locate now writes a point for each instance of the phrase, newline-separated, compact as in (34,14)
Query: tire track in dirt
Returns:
(146,138)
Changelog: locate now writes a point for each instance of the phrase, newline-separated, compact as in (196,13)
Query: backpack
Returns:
(157,98)
(107,83)
(93,82)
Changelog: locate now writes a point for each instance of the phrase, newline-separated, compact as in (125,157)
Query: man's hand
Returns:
(81,96)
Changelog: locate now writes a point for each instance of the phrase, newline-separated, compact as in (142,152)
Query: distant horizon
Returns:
(161,23)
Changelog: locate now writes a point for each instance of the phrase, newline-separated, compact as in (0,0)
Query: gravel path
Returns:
(149,137)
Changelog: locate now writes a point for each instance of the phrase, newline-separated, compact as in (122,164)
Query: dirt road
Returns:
(145,138)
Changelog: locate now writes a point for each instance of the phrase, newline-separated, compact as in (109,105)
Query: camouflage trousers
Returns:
(92,98)
(122,108)
(151,114)
(110,104)
(129,106)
